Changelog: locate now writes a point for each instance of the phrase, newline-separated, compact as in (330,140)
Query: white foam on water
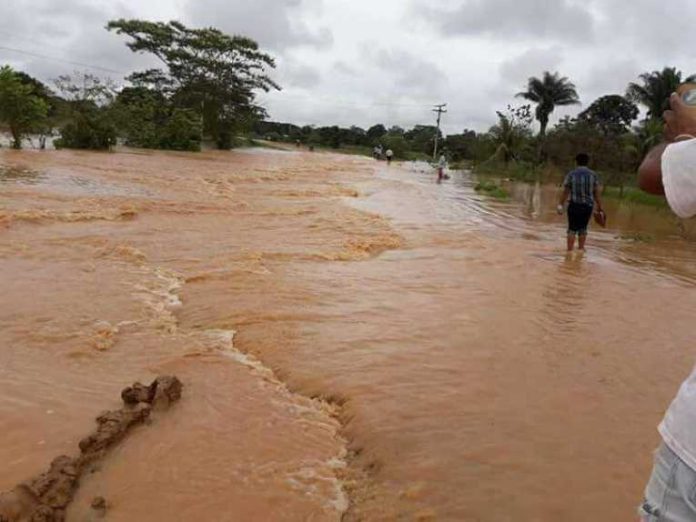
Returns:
(314,478)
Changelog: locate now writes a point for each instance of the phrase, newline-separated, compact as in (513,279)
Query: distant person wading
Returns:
(441,166)
(582,188)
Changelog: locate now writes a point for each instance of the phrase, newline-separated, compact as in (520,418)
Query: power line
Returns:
(53,58)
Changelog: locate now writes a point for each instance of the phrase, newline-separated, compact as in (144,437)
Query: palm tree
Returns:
(547,92)
(655,88)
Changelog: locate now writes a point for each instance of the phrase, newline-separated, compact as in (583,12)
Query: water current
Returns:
(355,341)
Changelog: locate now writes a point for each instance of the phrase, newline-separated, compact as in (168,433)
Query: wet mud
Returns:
(47,497)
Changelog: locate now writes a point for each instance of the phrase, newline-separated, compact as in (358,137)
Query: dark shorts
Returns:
(578,218)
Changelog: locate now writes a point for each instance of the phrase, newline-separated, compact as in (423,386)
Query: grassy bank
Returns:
(520,171)
(491,189)
(527,173)
(635,196)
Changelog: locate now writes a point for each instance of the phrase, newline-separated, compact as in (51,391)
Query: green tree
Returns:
(54,103)
(548,92)
(139,114)
(611,114)
(512,133)
(89,119)
(182,131)
(375,132)
(20,108)
(421,138)
(146,118)
(654,89)
(207,71)
(397,143)
(461,146)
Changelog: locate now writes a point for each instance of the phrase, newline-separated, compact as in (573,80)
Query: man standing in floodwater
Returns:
(582,187)
(670,170)
(390,156)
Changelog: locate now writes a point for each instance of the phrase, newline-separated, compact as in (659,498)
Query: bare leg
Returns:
(571,242)
(582,239)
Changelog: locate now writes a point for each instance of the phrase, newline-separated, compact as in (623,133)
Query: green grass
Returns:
(635,196)
(491,189)
(518,171)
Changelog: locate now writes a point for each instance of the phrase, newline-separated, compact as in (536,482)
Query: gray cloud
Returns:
(298,74)
(518,68)
(516,19)
(409,72)
(49,39)
(342,67)
(473,54)
(658,29)
(276,24)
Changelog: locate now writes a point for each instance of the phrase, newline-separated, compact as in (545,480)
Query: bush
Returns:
(397,144)
(93,130)
(182,131)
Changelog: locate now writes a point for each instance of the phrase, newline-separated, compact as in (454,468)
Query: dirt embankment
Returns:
(46,497)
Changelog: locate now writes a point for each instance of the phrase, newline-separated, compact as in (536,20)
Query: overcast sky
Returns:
(361,62)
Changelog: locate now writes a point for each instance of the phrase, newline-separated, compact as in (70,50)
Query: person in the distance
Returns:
(670,169)
(582,188)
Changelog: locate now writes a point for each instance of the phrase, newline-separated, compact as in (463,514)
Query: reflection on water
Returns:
(422,350)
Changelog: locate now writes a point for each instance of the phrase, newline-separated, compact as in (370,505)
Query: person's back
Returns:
(581,189)
(582,182)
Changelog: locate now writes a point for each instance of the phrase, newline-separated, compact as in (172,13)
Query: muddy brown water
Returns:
(355,341)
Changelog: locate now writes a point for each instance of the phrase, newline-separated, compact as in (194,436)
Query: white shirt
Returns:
(443,162)
(389,153)
(678,428)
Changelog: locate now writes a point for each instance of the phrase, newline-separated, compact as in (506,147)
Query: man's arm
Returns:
(650,171)
(680,124)
(564,196)
(598,197)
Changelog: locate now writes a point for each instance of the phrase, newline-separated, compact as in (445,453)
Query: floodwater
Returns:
(355,341)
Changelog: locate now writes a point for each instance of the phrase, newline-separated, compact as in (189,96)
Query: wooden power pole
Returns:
(440,110)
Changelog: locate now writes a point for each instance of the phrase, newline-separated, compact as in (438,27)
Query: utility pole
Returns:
(440,110)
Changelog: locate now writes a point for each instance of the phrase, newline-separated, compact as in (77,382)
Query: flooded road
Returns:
(354,340)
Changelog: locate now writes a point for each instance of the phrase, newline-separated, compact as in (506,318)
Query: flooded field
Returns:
(355,341)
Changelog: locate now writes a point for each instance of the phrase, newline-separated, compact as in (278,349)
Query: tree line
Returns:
(608,129)
(205,88)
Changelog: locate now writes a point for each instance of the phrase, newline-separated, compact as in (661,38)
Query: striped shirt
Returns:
(581,182)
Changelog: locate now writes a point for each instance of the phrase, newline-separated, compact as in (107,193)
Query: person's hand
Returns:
(559,210)
(680,120)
